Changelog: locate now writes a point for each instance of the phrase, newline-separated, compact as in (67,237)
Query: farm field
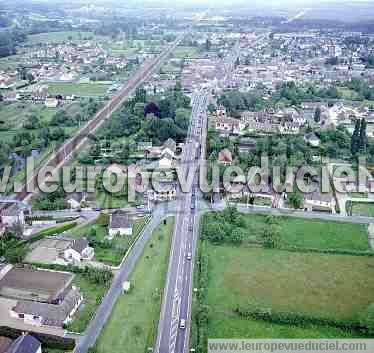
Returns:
(304,233)
(318,285)
(133,324)
(181,52)
(78,89)
(57,37)
(297,293)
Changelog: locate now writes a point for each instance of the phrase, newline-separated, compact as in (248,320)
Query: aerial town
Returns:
(177,174)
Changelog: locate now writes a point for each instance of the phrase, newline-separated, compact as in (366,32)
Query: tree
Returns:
(296,199)
(355,140)
(271,236)
(363,137)
(237,235)
(317,115)
(141,95)
(368,320)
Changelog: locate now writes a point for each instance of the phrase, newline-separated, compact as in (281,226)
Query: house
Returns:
(11,96)
(166,192)
(11,215)
(78,251)
(312,139)
(289,127)
(120,224)
(225,157)
(40,93)
(229,125)
(247,145)
(318,201)
(51,102)
(45,314)
(76,199)
(25,344)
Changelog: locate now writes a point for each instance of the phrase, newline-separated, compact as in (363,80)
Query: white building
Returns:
(120,224)
(78,251)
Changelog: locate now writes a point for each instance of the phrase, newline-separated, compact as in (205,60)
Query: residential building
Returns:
(121,223)
(312,139)
(318,201)
(166,191)
(225,157)
(44,314)
(25,344)
(78,251)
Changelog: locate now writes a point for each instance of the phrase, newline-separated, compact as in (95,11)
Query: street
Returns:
(174,324)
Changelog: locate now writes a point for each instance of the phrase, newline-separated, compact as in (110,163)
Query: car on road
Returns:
(189,256)
(140,207)
(182,324)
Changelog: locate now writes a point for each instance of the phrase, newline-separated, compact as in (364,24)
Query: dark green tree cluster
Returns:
(359,139)
(224,227)
(235,102)
(151,118)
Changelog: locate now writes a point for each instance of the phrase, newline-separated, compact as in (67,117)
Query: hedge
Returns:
(52,231)
(289,318)
(328,251)
(49,341)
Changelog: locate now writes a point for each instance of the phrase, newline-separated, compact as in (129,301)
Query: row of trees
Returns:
(359,139)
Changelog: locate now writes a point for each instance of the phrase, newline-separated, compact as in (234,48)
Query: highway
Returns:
(176,305)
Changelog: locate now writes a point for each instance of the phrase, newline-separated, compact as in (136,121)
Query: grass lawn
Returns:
(79,89)
(133,324)
(317,234)
(362,209)
(57,37)
(330,286)
(92,294)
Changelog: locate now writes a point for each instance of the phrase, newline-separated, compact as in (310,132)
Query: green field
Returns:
(57,37)
(319,285)
(363,209)
(189,52)
(12,117)
(78,89)
(133,324)
(304,233)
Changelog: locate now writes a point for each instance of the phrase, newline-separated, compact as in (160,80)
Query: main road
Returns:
(174,323)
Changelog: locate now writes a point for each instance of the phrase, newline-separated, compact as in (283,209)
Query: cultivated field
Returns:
(303,233)
(320,285)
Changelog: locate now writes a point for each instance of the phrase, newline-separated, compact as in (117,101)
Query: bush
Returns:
(369,319)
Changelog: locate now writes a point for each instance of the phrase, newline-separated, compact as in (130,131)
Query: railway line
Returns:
(66,151)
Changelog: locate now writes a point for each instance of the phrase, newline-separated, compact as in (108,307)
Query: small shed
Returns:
(126,286)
